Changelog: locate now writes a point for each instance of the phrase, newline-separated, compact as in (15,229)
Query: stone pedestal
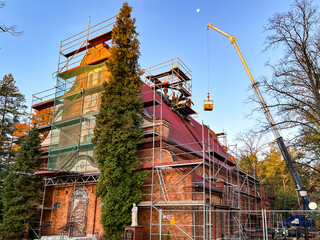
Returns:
(137,232)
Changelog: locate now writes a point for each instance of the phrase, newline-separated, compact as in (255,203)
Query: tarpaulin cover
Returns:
(78,215)
(78,211)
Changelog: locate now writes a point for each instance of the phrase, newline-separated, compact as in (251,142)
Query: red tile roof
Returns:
(185,133)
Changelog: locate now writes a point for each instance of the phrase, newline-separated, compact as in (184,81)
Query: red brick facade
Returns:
(191,176)
(185,200)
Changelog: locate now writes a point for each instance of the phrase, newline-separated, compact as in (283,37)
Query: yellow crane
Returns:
(254,84)
(296,178)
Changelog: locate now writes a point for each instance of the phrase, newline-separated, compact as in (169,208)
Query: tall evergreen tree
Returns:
(12,108)
(117,132)
(20,189)
(11,111)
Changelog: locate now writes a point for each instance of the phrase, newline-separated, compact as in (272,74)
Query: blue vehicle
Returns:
(298,221)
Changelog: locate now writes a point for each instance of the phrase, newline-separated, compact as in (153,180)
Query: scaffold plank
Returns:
(44,128)
(172,203)
(199,183)
(43,105)
(91,43)
(150,134)
(175,70)
(53,173)
(150,103)
(39,207)
(187,163)
(155,78)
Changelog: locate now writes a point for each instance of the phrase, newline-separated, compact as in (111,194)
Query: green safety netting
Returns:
(80,70)
(74,120)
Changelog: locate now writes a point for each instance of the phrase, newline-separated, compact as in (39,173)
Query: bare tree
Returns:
(13,29)
(251,147)
(294,87)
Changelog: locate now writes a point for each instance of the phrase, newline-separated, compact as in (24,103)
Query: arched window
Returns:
(78,211)
(80,192)
(94,77)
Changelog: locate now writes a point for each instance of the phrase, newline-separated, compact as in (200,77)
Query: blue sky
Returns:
(168,29)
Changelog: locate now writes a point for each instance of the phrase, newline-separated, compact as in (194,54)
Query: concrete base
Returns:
(137,232)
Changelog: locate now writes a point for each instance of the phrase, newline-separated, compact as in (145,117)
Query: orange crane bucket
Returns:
(208,104)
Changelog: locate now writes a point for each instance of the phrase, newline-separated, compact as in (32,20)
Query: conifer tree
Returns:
(117,132)
(11,111)
(20,189)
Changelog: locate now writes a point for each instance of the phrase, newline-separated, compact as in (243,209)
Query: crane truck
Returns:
(284,151)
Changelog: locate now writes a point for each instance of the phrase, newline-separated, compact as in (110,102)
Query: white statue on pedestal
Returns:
(134,215)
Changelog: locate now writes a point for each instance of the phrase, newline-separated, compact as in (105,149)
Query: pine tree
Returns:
(20,189)
(117,132)
(11,111)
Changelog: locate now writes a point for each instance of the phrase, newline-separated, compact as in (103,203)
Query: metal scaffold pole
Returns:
(203,184)
(153,159)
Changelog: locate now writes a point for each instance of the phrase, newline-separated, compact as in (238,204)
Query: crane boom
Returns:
(284,151)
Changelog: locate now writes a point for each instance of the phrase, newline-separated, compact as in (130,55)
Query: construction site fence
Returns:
(237,224)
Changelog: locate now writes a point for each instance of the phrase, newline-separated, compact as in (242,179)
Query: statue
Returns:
(134,215)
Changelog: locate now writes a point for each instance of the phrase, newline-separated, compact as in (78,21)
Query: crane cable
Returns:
(208,62)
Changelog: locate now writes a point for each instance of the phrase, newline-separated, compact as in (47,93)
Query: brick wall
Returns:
(59,215)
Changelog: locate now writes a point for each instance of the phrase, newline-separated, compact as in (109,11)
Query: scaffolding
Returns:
(195,189)
(194,181)
(80,76)
(65,116)
(174,78)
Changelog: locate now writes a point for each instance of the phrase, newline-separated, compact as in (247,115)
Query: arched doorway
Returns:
(78,211)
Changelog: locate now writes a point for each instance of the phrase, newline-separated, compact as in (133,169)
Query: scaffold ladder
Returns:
(162,184)
(243,234)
